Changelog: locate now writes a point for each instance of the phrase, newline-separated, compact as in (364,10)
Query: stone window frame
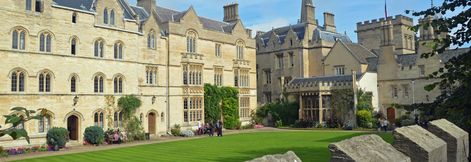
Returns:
(45,78)
(217,50)
(151,43)
(18,79)
(99,83)
(193,110)
(240,49)
(152,75)
(118,84)
(118,50)
(339,70)
(99,48)
(191,41)
(19,38)
(45,42)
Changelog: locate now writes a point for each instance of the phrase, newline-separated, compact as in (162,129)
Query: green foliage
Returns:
(94,135)
(176,130)
(57,136)
(364,100)
(285,112)
(364,119)
(454,102)
(129,104)
(278,123)
(226,98)
(15,119)
(134,130)
(342,103)
(405,120)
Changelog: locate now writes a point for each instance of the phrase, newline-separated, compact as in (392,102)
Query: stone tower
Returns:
(387,65)
(369,34)
(231,13)
(308,13)
(149,5)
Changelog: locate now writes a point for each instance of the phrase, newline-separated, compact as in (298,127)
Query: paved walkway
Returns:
(88,148)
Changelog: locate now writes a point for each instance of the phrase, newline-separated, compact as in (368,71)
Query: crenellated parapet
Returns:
(376,23)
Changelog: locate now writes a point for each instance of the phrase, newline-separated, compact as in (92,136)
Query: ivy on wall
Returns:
(221,98)
(342,102)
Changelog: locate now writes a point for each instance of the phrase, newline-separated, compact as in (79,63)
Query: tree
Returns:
(128,105)
(454,78)
(16,119)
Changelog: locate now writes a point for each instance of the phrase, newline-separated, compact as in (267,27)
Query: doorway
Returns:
(391,115)
(151,122)
(72,127)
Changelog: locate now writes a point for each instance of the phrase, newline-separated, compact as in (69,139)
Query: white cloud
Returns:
(267,25)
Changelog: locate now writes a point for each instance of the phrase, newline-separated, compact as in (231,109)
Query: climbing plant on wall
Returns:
(226,98)
(342,106)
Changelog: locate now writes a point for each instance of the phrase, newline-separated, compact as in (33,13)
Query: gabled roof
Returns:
(141,12)
(169,15)
(358,51)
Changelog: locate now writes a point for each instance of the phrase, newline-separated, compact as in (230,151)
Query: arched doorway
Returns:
(72,127)
(151,122)
(391,115)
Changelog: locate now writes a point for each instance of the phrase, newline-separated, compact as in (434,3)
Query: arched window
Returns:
(118,119)
(151,40)
(44,82)
(105,16)
(45,42)
(98,119)
(118,84)
(73,84)
(240,50)
(44,124)
(118,50)
(99,48)
(98,84)
(73,46)
(74,17)
(18,39)
(18,81)
(191,42)
(112,17)
(28,5)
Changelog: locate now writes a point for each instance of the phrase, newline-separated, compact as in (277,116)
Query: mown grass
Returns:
(308,145)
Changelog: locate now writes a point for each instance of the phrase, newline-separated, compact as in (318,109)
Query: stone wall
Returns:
(441,142)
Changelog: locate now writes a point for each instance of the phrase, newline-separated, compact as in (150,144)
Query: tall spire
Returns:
(308,14)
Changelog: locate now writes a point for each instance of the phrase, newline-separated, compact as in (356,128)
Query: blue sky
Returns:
(262,15)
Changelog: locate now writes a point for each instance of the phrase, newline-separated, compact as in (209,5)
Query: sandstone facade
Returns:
(109,49)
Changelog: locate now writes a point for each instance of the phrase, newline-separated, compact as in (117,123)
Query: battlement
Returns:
(376,23)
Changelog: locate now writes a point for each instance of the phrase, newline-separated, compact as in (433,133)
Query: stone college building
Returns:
(77,57)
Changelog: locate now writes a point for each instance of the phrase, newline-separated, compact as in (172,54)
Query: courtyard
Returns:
(309,145)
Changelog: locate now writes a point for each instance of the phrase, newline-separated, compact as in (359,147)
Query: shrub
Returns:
(3,153)
(176,130)
(303,124)
(278,123)
(129,104)
(248,126)
(134,130)
(286,112)
(57,137)
(364,119)
(405,120)
(94,135)
(187,133)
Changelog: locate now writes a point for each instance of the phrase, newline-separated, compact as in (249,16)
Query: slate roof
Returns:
(169,15)
(141,12)
(449,54)
(360,52)
(84,5)
(312,80)
(300,29)
(90,6)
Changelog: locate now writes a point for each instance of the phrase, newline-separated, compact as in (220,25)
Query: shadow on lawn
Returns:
(304,153)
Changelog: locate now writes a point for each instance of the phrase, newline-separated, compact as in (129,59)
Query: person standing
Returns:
(219,128)
(211,129)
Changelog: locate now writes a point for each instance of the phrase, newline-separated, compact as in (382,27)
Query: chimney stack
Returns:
(231,13)
(329,22)
(388,35)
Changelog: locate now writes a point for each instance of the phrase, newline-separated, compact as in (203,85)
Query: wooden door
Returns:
(72,127)
(391,113)
(151,122)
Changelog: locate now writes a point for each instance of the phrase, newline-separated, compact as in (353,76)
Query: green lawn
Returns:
(308,145)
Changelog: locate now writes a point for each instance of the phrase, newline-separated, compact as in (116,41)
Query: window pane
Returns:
(21,82)
(14,40)
(48,83)
(105,16)
(41,42)
(22,40)
(101,84)
(41,83)
(73,45)
(96,48)
(28,5)
(13,82)
(72,84)
(48,43)
(95,85)
(112,17)
(101,49)
(115,51)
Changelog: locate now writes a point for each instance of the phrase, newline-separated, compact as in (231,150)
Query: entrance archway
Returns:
(72,127)
(151,122)
(391,115)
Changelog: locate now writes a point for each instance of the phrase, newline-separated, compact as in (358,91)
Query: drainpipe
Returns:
(167,88)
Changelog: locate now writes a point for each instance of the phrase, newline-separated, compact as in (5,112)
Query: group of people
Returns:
(210,128)
(382,124)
